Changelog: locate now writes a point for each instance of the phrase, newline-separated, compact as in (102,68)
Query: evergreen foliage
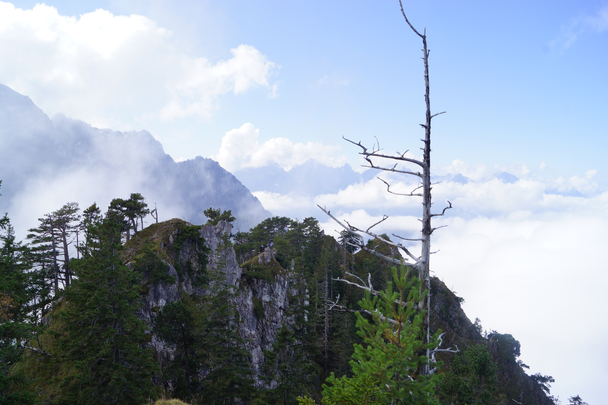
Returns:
(211,365)
(152,268)
(216,215)
(473,378)
(176,326)
(131,211)
(288,371)
(84,344)
(189,239)
(576,400)
(50,243)
(385,368)
(16,326)
(99,346)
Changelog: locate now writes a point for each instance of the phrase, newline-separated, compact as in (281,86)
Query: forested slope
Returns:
(209,316)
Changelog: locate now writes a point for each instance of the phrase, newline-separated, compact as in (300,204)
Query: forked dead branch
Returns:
(402,164)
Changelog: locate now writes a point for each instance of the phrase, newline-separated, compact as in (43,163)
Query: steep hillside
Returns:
(247,316)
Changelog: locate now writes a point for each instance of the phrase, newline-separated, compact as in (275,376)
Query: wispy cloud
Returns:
(571,31)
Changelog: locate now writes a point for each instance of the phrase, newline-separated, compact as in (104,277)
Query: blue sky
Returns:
(248,82)
(522,82)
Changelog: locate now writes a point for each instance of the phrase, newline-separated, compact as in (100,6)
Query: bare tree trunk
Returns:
(326,323)
(423,172)
(66,258)
(55,266)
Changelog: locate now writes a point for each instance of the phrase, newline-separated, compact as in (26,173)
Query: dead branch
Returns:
(411,194)
(388,242)
(438,227)
(438,350)
(341,308)
(374,153)
(411,240)
(443,212)
(361,245)
(384,218)
(408,22)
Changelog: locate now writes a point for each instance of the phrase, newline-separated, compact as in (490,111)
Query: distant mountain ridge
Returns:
(310,178)
(61,156)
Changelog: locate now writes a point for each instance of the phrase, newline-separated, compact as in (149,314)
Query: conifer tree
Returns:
(101,341)
(216,215)
(387,367)
(472,379)
(288,371)
(50,243)
(15,326)
(133,210)
(176,326)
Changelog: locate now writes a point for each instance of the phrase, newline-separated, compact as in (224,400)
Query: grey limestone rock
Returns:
(261,303)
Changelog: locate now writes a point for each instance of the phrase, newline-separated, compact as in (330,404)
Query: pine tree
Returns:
(16,328)
(101,340)
(50,243)
(472,379)
(133,210)
(287,370)
(386,368)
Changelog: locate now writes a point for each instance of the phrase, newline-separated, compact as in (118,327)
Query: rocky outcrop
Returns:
(261,286)
(262,303)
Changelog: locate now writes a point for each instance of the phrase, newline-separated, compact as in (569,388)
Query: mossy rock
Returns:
(159,234)
(253,269)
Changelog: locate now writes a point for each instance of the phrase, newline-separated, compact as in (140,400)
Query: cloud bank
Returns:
(129,63)
(525,252)
(240,149)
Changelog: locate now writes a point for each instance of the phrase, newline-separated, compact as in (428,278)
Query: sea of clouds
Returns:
(525,250)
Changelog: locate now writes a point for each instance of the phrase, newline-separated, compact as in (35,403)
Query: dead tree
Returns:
(400,163)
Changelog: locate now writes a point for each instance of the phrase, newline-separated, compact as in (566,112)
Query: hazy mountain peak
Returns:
(18,112)
(506,178)
(44,164)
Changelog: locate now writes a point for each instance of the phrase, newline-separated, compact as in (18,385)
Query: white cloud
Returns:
(590,173)
(195,90)
(528,278)
(110,69)
(472,171)
(528,263)
(240,149)
(276,203)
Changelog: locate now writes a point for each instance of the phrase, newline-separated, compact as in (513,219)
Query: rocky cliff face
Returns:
(261,301)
